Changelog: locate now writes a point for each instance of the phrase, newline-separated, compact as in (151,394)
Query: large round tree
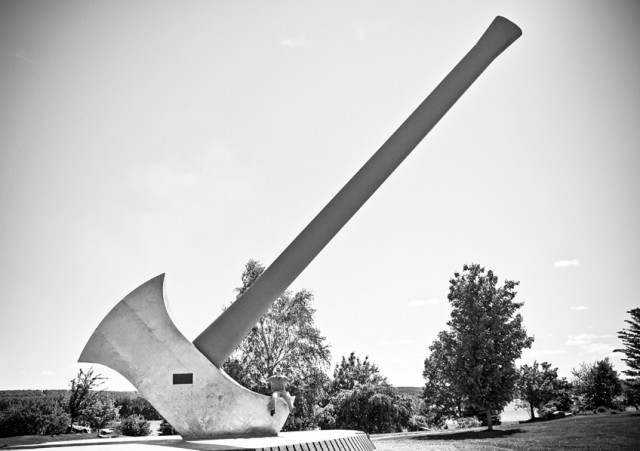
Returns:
(484,339)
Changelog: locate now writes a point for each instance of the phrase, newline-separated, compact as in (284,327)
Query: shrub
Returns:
(135,426)
(135,405)
(55,421)
(101,413)
(33,416)
(326,417)
(417,423)
(602,409)
(546,411)
(468,422)
(166,428)
(481,415)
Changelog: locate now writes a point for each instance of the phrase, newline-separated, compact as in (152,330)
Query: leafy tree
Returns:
(100,413)
(373,408)
(631,395)
(631,340)
(82,393)
(484,339)
(360,397)
(284,341)
(52,419)
(596,385)
(352,371)
(539,384)
(581,381)
(441,400)
(562,398)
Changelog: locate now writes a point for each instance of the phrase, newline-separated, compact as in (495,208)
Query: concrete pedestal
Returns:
(285,441)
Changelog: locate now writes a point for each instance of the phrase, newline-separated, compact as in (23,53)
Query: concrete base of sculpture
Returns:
(285,441)
(139,340)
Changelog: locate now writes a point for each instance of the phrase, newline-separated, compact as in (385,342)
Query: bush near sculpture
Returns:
(135,426)
(372,408)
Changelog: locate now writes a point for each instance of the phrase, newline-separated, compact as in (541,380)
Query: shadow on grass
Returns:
(469,435)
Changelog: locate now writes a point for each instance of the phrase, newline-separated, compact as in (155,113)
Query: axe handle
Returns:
(221,338)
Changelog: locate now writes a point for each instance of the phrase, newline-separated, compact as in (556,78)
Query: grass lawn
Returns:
(588,432)
(42,439)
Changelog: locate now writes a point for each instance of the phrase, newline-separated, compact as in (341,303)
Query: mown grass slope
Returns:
(588,432)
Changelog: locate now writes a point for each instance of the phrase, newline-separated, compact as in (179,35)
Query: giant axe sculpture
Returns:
(183,380)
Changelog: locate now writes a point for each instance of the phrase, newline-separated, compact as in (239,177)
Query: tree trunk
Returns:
(532,415)
(489,425)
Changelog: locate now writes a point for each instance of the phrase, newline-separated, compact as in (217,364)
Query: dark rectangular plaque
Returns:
(182,378)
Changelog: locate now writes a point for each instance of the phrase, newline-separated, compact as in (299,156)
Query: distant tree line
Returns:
(50,412)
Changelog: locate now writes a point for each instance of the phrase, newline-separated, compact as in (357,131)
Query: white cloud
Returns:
(597,348)
(577,308)
(566,263)
(292,43)
(47,373)
(584,339)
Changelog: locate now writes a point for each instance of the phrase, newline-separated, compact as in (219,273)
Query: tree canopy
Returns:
(361,398)
(631,340)
(352,371)
(82,393)
(539,384)
(484,339)
(442,401)
(284,341)
(596,385)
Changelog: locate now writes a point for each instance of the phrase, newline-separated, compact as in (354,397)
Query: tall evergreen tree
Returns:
(631,340)
(484,339)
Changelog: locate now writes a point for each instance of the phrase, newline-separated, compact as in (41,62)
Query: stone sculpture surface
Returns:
(139,340)
(279,384)
(183,380)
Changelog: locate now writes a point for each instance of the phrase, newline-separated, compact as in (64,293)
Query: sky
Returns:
(147,137)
